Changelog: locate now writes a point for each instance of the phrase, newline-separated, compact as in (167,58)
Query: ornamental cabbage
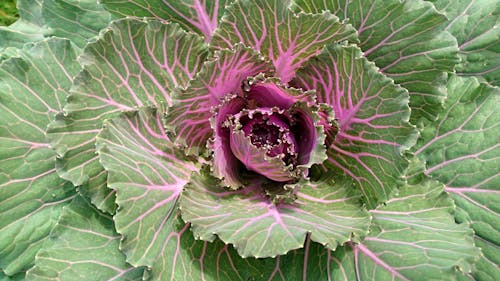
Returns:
(250,140)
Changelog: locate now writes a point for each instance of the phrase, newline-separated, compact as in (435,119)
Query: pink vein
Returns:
(368,253)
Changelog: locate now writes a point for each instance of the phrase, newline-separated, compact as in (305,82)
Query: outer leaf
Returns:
(406,39)
(475,24)
(28,28)
(133,63)
(288,40)
(222,76)
(199,16)
(83,246)
(461,149)
(17,277)
(487,268)
(32,90)
(259,228)
(373,119)
(414,237)
(78,20)
(184,258)
(148,173)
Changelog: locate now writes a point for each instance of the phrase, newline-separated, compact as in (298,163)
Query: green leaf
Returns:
(199,16)
(17,277)
(148,173)
(415,237)
(28,28)
(184,258)
(487,267)
(461,150)
(258,228)
(372,116)
(32,89)
(287,39)
(83,246)
(406,40)
(77,20)
(475,24)
(133,63)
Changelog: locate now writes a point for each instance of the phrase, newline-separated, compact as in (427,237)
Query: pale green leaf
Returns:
(28,28)
(148,173)
(372,116)
(475,24)
(33,87)
(461,150)
(77,20)
(199,16)
(406,40)
(257,227)
(83,246)
(414,237)
(133,63)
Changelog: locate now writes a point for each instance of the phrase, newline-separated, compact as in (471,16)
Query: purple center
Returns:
(272,133)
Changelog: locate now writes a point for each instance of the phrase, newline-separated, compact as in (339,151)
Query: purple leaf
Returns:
(218,78)
(264,144)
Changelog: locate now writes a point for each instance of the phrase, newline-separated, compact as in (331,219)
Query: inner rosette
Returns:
(268,133)
(263,140)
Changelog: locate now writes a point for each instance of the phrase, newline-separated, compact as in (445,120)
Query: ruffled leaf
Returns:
(461,150)
(258,228)
(257,160)
(77,20)
(406,40)
(261,93)
(199,16)
(372,116)
(415,237)
(148,174)
(222,76)
(32,89)
(84,246)
(28,28)
(133,63)
(475,24)
(287,39)
(184,258)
